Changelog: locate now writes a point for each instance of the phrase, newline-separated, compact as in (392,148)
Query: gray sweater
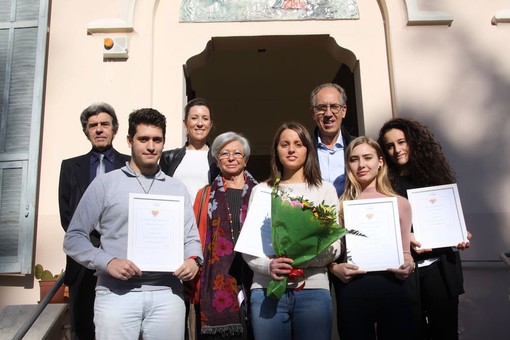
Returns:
(105,208)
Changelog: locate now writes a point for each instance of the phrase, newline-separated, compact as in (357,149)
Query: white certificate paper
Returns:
(381,246)
(255,237)
(438,220)
(156,232)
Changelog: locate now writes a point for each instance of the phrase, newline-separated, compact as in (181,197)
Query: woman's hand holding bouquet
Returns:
(300,231)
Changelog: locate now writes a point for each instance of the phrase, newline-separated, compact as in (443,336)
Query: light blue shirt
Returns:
(332,163)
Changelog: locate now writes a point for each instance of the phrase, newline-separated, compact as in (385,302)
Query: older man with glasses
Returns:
(329,106)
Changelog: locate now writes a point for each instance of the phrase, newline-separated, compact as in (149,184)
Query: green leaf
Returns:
(275,289)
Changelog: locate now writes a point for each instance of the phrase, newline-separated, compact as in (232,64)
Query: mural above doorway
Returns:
(267,10)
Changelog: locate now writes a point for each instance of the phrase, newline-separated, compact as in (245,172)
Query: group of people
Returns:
(218,293)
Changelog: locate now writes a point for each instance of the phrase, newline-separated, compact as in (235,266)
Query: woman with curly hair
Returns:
(415,159)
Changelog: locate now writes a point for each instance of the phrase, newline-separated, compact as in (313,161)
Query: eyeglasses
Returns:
(226,154)
(321,109)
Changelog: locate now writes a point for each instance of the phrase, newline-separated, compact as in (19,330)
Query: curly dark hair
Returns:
(427,164)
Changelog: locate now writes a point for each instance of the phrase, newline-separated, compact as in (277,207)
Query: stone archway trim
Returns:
(124,24)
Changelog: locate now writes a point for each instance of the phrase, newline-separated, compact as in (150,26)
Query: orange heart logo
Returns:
(432,200)
(369,216)
(155,213)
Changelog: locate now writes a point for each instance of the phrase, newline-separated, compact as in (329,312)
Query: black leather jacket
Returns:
(171,159)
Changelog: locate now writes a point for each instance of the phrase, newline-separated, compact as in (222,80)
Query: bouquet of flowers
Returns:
(300,231)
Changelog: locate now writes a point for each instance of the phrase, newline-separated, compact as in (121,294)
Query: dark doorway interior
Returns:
(256,83)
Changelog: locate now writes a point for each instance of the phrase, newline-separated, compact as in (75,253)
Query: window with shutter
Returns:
(23,35)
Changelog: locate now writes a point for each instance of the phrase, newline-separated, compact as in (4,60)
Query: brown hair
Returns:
(311,167)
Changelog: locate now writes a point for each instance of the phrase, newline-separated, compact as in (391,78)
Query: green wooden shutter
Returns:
(23,35)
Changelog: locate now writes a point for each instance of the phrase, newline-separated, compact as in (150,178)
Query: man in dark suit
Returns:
(100,125)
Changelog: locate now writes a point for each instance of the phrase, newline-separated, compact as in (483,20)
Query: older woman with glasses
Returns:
(221,210)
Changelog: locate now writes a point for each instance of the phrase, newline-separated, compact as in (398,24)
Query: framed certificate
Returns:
(156,232)
(380,246)
(438,220)
(256,236)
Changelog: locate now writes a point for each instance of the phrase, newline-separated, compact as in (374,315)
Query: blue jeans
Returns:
(125,315)
(304,314)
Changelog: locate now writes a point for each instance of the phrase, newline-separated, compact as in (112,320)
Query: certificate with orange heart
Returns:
(156,232)
(438,220)
(373,238)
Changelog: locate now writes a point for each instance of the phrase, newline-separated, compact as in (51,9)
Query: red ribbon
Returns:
(296,273)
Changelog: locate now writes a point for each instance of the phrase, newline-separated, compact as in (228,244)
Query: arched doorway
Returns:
(255,83)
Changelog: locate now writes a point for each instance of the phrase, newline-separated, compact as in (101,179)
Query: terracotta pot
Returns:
(45,287)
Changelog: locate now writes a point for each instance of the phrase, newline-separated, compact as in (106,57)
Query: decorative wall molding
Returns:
(266,10)
(417,17)
(502,16)
(123,24)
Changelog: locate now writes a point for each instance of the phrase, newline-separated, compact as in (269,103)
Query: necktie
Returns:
(100,167)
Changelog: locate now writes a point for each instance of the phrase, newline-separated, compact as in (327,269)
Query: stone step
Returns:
(52,324)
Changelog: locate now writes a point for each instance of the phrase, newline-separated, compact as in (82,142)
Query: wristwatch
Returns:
(198,261)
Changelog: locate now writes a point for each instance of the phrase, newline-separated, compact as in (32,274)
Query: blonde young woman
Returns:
(373,305)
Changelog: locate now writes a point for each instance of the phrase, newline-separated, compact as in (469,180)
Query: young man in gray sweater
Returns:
(129,302)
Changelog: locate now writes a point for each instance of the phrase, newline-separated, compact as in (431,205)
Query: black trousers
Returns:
(373,306)
(412,286)
(81,305)
(438,306)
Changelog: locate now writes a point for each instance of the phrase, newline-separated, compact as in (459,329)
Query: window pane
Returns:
(5,10)
(21,90)
(27,9)
(10,212)
(4,43)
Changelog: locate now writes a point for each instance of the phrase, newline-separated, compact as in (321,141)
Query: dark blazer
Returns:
(74,180)
(171,159)
(346,137)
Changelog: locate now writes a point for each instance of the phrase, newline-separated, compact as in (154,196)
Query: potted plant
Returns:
(46,281)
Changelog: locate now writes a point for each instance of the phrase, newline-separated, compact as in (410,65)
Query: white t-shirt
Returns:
(193,171)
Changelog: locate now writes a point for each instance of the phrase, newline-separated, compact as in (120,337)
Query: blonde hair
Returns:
(352,186)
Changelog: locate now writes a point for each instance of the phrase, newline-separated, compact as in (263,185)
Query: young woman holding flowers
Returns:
(221,218)
(373,305)
(415,159)
(304,311)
